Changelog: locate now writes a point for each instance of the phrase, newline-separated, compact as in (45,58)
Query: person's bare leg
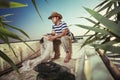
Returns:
(56,44)
(66,43)
(68,57)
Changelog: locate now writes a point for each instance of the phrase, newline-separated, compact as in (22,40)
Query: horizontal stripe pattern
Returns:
(58,29)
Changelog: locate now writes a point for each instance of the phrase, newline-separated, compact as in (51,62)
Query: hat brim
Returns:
(55,16)
(50,17)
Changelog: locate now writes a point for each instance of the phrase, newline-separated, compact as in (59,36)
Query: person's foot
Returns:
(67,58)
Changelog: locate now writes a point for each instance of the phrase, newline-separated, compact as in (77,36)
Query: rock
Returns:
(53,71)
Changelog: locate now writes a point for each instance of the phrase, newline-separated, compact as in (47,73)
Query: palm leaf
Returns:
(108,9)
(17,29)
(115,4)
(12,35)
(99,5)
(93,38)
(113,12)
(87,40)
(95,25)
(6,40)
(105,6)
(112,26)
(116,0)
(7,59)
(16,5)
(8,33)
(3,18)
(108,47)
(27,45)
(36,8)
(6,15)
(10,4)
(102,31)
(90,20)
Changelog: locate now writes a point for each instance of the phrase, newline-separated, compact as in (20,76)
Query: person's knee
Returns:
(63,38)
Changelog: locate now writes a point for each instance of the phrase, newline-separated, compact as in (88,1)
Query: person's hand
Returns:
(51,38)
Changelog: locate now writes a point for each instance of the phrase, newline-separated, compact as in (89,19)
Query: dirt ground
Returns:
(31,75)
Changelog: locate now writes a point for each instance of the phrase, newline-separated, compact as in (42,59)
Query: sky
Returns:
(28,20)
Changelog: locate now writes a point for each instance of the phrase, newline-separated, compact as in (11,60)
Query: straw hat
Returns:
(55,14)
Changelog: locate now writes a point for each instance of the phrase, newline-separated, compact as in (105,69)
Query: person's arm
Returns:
(53,33)
(64,31)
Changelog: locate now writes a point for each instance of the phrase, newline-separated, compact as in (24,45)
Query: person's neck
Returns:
(57,23)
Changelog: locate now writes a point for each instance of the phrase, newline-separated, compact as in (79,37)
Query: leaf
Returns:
(108,9)
(105,6)
(28,46)
(7,59)
(113,12)
(36,8)
(4,3)
(6,40)
(6,15)
(8,33)
(17,29)
(3,31)
(2,38)
(102,31)
(108,47)
(95,25)
(85,43)
(115,0)
(112,26)
(90,20)
(16,5)
(93,38)
(10,4)
(99,5)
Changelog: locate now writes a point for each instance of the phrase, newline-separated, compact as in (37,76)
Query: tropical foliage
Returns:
(107,26)
(5,34)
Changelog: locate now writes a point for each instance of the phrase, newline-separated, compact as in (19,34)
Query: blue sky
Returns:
(27,19)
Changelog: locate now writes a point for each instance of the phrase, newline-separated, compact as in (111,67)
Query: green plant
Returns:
(10,4)
(5,34)
(106,27)
(36,8)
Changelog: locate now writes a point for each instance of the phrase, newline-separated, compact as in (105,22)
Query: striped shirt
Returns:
(58,29)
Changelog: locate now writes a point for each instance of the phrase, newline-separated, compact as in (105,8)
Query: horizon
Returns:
(28,20)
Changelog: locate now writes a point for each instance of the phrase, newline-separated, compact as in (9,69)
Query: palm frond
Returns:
(16,5)
(6,15)
(102,31)
(16,29)
(8,60)
(113,12)
(108,46)
(112,26)
(93,38)
(105,7)
(101,4)
(11,4)
(36,8)
(90,20)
